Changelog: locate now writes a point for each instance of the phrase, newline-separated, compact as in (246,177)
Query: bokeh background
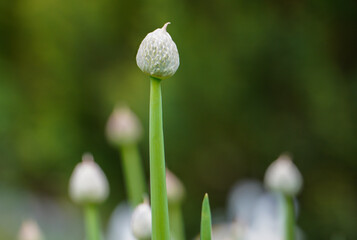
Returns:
(257,78)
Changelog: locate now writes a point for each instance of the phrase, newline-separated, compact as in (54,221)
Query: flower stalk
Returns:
(92,222)
(159,205)
(133,173)
(289,218)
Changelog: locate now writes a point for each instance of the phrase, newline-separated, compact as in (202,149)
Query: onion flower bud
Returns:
(141,221)
(88,183)
(283,176)
(123,127)
(30,231)
(158,55)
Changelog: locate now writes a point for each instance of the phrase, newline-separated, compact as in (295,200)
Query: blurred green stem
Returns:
(91,222)
(289,218)
(206,224)
(134,174)
(176,221)
(159,205)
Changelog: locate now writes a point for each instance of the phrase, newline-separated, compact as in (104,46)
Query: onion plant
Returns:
(158,57)
(284,177)
(89,187)
(123,132)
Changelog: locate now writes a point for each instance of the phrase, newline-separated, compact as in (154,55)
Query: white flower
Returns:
(158,55)
(141,221)
(123,127)
(30,231)
(283,176)
(174,187)
(88,183)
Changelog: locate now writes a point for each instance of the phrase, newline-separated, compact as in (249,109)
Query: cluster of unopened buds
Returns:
(158,57)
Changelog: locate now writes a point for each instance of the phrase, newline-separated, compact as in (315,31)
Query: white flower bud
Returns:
(30,231)
(123,127)
(141,221)
(88,183)
(283,176)
(158,55)
(174,187)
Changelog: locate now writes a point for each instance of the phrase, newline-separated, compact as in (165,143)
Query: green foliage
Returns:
(206,220)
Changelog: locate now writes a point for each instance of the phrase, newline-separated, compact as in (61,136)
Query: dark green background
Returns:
(257,78)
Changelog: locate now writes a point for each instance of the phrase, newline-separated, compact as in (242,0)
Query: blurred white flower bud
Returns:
(88,183)
(158,55)
(123,127)
(283,176)
(141,221)
(30,231)
(174,187)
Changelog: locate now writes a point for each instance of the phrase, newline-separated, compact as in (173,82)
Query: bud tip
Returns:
(165,26)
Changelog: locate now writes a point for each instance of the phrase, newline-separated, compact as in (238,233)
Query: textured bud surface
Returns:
(283,176)
(141,221)
(88,183)
(158,55)
(123,127)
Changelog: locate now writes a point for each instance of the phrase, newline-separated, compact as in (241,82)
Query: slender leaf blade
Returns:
(206,222)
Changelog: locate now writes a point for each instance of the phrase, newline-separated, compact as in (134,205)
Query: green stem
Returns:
(176,221)
(133,173)
(289,218)
(91,222)
(159,206)
(206,224)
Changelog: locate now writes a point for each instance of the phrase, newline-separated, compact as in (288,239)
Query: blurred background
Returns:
(257,78)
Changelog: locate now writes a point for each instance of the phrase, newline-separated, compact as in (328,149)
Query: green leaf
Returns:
(206,224)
